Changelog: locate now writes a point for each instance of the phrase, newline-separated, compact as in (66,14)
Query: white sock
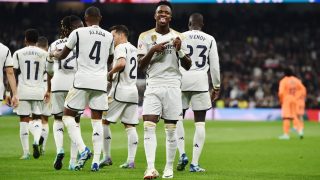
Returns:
(74,149)
(58,129)
(132,143)
(106,141)
(31,127)
(180,137)
(74,132)
(44,134)
(171,144)
(198,141)
(37,129)
(24,137)
(97,139)
(150,142)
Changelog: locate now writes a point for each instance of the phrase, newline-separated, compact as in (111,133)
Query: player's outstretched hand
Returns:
(215,94)
(158,48)
(177,43)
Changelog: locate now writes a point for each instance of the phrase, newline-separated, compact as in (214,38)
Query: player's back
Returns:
(289,88)
(199,45)
(5,61)
(164,67)
(64,69)
(31,61)
(124,87)
(93,47)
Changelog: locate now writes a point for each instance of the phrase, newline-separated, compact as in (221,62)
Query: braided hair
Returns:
(66,25)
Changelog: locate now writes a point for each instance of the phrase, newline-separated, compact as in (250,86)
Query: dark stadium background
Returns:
(255,41)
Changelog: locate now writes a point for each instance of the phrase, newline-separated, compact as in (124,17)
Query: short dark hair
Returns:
(288,71)
(120,29)
(164,2)
(31,35)
(93,11)
(42,41)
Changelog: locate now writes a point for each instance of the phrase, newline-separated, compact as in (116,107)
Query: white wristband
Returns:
(181,54)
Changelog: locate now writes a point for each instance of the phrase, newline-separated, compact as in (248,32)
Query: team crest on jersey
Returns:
(154,38)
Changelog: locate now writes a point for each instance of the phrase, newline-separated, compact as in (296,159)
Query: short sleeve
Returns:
(72,40)
(120,52)
(9,61)
(142,45)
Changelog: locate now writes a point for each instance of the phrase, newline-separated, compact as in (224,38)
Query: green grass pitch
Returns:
(233,150)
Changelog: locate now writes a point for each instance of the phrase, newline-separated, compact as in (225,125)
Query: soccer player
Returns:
(6,64)
(63,75)
(160,52)
(46,111)
(123,96)
(30,61)
(195,88)
(289,89)
(94,50)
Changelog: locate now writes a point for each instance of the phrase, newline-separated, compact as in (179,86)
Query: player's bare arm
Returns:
(184,59)
(144,61)
(121,63)
(12,82)
(59,55)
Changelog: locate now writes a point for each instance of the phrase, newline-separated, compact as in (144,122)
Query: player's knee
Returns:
(149,124)
(170,126)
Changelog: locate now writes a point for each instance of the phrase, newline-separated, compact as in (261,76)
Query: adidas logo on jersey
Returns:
(24,134)
(108,138)
(181,138)
(60,130)
(196,145)
(96,134)
(36,126)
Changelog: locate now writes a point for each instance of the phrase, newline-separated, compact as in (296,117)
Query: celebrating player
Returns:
(63,75)
(204,55)
(159,52)
(94,50)
(123,97)
(30,61)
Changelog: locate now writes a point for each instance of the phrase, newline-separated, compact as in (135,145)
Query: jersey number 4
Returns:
(95,52)
(202,55)
(36,63)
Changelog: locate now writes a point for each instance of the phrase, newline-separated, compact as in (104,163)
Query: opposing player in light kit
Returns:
(46,111)
(159,53)
(30,61)
(195,88)
(6,64)
(123,97)
(62,75)
(94,50)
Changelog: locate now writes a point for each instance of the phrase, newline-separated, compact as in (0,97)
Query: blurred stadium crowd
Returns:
(255,42)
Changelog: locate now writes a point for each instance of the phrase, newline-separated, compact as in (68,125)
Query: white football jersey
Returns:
(31,61)
(63,70)
(93,47)
(163,69)
(124,88)
(202,49)
(5,61)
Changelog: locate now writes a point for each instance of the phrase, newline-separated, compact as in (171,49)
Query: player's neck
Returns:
(162,29)
(195,28)
(30,44)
